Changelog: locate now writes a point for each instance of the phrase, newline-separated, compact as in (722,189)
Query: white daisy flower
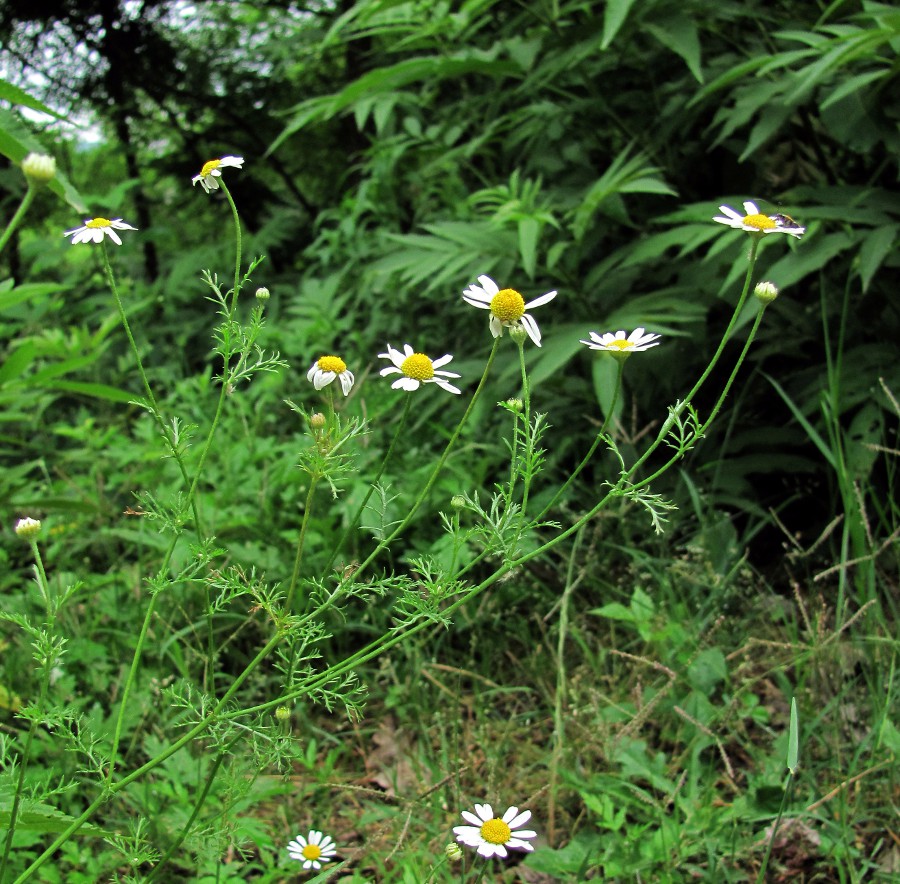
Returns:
(753,221)
(326,368)
(312,851)
(493,835)
(96,228)
(213,170)
(416,369)
(507,307)
(28,528)
(636,342)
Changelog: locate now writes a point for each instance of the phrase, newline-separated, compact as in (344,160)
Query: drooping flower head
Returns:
(621,346)
(753,221)
(490,835)
(507,307)
(95,229)
(416,369)
(213,170)
(39,168)
(312,851)
(325,369)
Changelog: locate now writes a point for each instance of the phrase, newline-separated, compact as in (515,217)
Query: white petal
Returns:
(444,385)
(750,208)
(516,844)
(496,327)
(405,383)
(636,335)
(448,374)
(391,369)
(488,285)
(323,379)
(477,300)
(532,328)
(470,817)
(113,235)
(485,812)
(346,381)
(442,361)
(408,350)
(311,373)
(543,299)
(516,819)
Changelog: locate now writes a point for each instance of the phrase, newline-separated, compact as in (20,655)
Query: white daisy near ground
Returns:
(753,221)
(213,170)
(312,851)
(507,307)
(326,368)
(96,228)
(490,835)
(616,342)
(417,369)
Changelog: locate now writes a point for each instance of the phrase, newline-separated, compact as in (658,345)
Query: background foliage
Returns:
(394,152)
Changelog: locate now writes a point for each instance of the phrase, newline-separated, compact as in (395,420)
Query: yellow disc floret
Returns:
(311,851)
(495,831)
(621,344)
(209,167)
(332,363)
(508,305)
(98,222)
(760,222)
(418,367)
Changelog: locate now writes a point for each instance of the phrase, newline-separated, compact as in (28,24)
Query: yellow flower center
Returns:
(332,363)
(508,305)
(311,851)
(760,222)
(418,366)
(209,167)
(620,344)
(495,831)
(98,222)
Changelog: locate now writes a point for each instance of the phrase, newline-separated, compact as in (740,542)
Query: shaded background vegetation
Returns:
(394,152)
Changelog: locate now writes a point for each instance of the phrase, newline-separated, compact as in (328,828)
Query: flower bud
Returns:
(518,334)
(458,502)
(454,852)
(765,292)
(282,713)
(28,529)
(39,168)
(262,294)
(515,404)
(317,420)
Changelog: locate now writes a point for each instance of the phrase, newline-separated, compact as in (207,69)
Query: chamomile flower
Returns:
(28,528)
(417,368)
(95,229)
(312,851)
(492,835)
(753,221)
(326,368)
(213,170)
(636,342)
(507,307)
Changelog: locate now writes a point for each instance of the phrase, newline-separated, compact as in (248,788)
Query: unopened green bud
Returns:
(458,502)
(518,334)
(454,852)
(39,168)
(282,713)
(262,294)
(28,529)
(515,404)
(317,420)
(766,292)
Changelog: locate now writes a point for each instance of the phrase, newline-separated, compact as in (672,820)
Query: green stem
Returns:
(620,368)
(761,877)
(288,605)
(351,526)
(17,217)
(559,700)
(47,665)
(151,399)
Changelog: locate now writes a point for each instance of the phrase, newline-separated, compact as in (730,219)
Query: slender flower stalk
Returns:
(17,216)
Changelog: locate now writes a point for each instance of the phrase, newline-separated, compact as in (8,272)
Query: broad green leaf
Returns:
(793,755)
(15,95)
(876,246)
(679,33)
(613,18)
(96,391)
(43,819)
(529,232)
